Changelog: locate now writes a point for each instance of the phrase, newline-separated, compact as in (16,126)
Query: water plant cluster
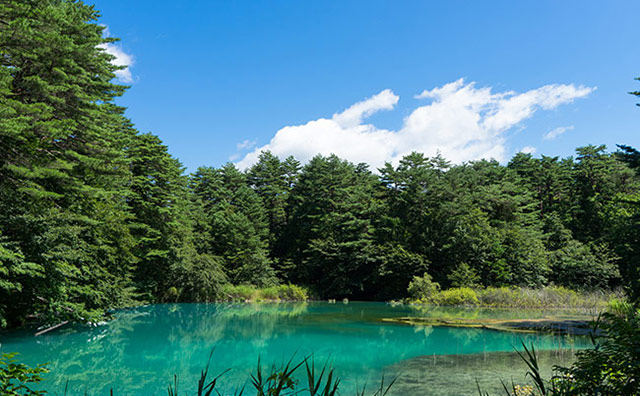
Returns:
(251,293)
(423,290)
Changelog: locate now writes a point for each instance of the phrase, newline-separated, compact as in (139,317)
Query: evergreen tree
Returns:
(237,222)
(332,219)
(61,169)
(163,227)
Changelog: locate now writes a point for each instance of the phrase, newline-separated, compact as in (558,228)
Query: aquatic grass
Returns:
(315,381)
(457,296)
(205,387)
(382,389)
(249,293)
(520,297)
(279,382)
(546,297)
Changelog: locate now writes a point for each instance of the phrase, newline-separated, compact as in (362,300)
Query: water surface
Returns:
(140,351)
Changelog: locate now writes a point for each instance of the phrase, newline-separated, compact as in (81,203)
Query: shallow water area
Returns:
(139,352)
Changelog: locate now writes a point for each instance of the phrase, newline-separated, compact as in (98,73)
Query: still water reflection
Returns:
(140,351)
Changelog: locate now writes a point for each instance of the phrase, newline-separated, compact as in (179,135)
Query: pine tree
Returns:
(332,218)
(61,167)
(237,222)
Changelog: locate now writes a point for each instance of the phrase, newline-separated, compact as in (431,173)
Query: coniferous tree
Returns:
(238,224)
(332,217)
(61,168)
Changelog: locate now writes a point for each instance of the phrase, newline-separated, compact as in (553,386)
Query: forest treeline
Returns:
(95,215)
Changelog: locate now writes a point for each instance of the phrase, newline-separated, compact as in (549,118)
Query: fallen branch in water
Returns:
(48,329)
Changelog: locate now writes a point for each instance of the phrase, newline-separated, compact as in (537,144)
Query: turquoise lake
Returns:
(139,352)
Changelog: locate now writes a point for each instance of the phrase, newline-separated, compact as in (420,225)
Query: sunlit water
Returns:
(140,351)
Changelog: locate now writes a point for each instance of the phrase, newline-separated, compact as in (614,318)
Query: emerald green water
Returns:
(140,351)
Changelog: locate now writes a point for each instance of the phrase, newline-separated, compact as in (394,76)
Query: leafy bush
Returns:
(457,296)
(200,278)
(272,293)
(498,296)
(16,377)
(423,288)
(292,293)
(464,276)
(237,292)
(581,266)
(546,297)
(611,368)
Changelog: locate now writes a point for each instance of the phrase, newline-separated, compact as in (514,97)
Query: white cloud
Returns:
(246,144)
(354,115)
(461,121)
(528,150)
(121,58)
(554,133)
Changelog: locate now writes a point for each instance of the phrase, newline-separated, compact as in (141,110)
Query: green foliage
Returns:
(457,296)
(333,214)
(510,297)
(626,231)
(464,276)
(611,368)
(423,288)
(273,293)
(63,170)
(16,378)
(576,266)
(237,224)
(284,293)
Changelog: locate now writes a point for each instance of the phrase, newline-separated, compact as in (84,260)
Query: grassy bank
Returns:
(248,293)
(515,297)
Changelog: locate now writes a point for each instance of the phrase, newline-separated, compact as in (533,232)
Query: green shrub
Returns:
(423,288)
(546,297)
(498,296)
(457,296)
(293,293)
(610,368)
(424,291)
(237,293)
(16,377)
(270,293)
(619,306)
(464,276)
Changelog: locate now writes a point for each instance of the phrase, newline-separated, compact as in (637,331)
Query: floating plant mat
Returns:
(554,325)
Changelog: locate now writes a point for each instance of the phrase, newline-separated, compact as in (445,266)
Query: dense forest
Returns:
(95,215)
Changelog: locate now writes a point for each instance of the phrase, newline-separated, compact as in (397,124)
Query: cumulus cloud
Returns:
(554,133)
(121,58)
(528,150)
(353,116)
(461,121)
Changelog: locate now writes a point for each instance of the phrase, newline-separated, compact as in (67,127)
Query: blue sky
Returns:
(219,80)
